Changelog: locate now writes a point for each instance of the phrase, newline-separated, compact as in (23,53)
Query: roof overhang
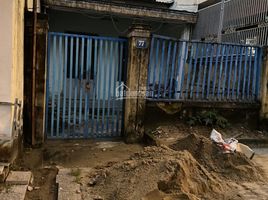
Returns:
(122,10)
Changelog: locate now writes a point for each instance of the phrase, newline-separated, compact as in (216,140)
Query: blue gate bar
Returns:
(151,61)
(235,72)
(93,124)
(260,54)
(118,124)
(194,72)
(75,85)
(230,72)
(172,69)
(209,71)
(59,73)
(64,83)
(110,65)
(114,87)
(105,66)
(166,72)
(184,59)
(220,73)
(81,81)
(203,48)
(99,85)
(161,68)
(215,70)
(249,74)
(239,73)
(208,49)
(225,66)
(245,73)
(155,67)
(189,70)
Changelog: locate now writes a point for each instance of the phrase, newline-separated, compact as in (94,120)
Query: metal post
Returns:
(221,21)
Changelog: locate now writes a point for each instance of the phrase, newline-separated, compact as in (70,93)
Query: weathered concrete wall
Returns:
(144,13)
(40,74)
(11,60)
(60,21)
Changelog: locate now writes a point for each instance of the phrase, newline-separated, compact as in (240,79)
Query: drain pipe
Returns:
(34,69)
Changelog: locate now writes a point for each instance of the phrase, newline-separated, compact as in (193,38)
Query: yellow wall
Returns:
(11,60)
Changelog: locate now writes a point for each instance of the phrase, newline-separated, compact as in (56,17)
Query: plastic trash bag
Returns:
(228,145)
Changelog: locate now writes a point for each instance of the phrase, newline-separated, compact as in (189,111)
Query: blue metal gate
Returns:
(201,71)
(84,73)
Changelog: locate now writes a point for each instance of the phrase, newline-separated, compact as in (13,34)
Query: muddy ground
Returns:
(121,171)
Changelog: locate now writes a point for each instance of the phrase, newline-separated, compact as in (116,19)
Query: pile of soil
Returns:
(234,166)
(193,168)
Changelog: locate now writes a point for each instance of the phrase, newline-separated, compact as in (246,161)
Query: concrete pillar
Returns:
(138,59)
(264,87)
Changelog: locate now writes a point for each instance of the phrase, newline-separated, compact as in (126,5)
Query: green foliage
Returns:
(208,118)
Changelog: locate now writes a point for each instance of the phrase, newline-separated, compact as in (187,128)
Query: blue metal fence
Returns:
(200,71)
(84,73)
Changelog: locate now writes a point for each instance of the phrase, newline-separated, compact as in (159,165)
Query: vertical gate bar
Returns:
(70,86)
(167,67)
(109,86)
(210,69)
(204,46)
(155,66)
(245,73)
(225,70)
(60,57)
(54,66)
(88,75)
(220,75)
(120,80)
(93,128)
(254,73)
(104,85)
(249,73)
(194,68)
(184,59)
(76,82)
(99,73)
(239,73)
(114,86)
(215,69)
(161,68)
(208,47)
(48,80)
(235,71)
(172,69)
(189,70)
(64,84)
(258,73)
(81,81)
(150,63)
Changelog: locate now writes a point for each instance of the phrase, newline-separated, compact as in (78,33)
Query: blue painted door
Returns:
(83,76)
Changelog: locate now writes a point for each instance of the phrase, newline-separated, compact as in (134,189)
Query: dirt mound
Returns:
(234,166)
(193,168)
